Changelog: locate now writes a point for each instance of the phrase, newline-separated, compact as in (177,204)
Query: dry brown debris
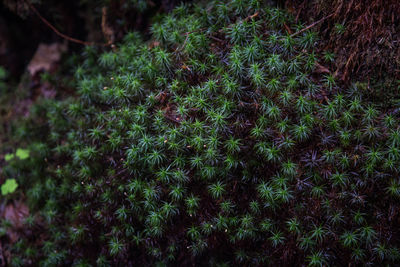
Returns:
(370,44)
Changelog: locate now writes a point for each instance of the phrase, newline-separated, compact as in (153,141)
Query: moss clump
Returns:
(214,143)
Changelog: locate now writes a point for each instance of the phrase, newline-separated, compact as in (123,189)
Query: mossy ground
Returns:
(217,142)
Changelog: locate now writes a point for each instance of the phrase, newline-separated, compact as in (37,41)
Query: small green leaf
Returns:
(3,73)
(22,153)
(9,187)
(9,157)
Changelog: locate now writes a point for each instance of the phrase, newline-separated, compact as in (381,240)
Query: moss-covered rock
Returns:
(217,142)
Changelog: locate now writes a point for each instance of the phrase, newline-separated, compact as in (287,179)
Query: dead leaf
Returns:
(15,213)
(46,58)
(47,90)
(154,44)
(108,32)
(321,69)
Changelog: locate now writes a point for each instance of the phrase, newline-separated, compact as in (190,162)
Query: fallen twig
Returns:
(33,8)
(312,25)
(246,19)
(187,37)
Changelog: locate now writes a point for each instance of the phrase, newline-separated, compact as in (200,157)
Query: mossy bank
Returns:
(222,141)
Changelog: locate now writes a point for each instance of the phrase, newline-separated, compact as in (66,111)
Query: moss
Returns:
(214,143)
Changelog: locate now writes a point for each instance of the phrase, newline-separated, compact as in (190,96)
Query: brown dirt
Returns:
(370,45)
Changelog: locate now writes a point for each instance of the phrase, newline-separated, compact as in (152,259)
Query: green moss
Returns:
(215,142)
